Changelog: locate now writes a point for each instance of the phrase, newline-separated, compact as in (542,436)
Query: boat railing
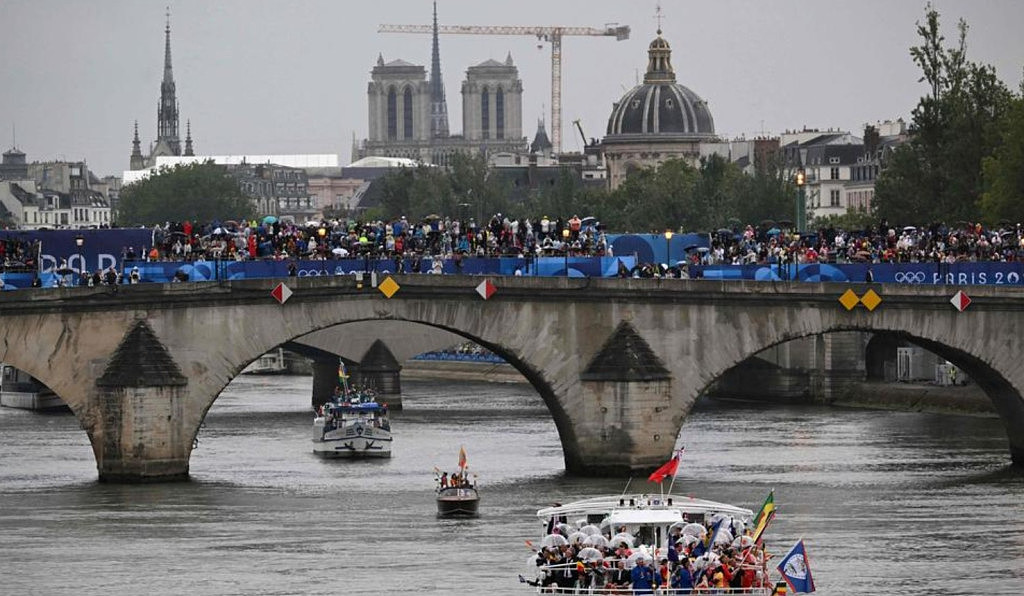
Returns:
(657,591)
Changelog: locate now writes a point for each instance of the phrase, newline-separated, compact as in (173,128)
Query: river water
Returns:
(887,503)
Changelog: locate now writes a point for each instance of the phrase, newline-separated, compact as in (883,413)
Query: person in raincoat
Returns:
(642,577)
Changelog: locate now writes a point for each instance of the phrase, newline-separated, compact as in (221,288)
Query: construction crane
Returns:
(550,34)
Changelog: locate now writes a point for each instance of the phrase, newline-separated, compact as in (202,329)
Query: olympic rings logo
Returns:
(910,277)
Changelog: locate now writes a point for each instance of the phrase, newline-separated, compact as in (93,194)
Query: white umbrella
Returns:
(554,540)
(590,554)
(695,530)
(564,529)
(742,542)
(596,540)
(341,252)
(622,538)
(590,529)
(577,537)
(723,536)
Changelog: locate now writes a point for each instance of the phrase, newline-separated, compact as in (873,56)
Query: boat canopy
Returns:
(644,517)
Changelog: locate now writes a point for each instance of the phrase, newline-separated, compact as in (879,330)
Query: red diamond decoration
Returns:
(960,301)
(281,293)
(486,289)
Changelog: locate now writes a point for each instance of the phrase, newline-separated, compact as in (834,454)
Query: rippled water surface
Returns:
(887,503)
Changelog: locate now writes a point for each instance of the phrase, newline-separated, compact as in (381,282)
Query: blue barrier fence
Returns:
(101,249)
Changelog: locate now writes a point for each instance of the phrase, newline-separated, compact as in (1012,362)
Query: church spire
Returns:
(168,74)
(136,161)
(188,139)
(438,105)
(167,139)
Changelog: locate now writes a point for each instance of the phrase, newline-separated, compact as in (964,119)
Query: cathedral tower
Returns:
(167,112)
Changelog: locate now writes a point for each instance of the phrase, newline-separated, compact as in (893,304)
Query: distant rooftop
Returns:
(321,160)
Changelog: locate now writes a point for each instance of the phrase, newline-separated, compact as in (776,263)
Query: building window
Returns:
(485,114)
(834,198)
(833,160)
(834,174)
(392,114)
(407,113)
(499,114)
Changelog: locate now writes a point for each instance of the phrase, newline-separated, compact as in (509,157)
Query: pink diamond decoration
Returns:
(960,301)
(281,293)
(486,289)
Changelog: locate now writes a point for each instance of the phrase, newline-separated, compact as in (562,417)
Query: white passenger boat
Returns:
(271,363)
(591,546)
(18,389)
(352,426)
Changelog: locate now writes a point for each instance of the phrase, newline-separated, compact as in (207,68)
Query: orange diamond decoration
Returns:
(871,300)
(388,287)
(849,299)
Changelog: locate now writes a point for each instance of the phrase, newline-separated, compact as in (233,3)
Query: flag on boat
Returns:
(667,469)
(761,527)
(767,507)
(342,373)
(462,457)
(796,569)
(704,546)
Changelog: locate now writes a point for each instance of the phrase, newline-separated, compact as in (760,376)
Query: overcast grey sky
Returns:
(261,76)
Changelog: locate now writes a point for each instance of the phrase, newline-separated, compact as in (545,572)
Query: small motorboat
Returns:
(457,495)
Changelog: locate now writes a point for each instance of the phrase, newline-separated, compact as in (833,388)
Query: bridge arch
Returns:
(534,375)
(998,381)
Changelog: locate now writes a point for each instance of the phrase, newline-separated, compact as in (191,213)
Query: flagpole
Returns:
(679,455)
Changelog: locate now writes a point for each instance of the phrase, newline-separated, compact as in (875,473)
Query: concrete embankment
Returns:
(967,400)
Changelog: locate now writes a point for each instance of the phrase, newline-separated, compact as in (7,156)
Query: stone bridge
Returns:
(619,362)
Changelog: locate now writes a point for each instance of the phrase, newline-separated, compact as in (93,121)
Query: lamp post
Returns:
(801,200)
(668,248)
(322,234)
(79,242)
(565,247)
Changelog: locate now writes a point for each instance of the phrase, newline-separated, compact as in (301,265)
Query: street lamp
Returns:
(79,242)
(322,233)
(565,246)
(668,248)
(801,200)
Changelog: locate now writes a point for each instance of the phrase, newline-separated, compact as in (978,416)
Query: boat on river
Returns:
(352,425)
(458,496)
(19,389)
(591,546)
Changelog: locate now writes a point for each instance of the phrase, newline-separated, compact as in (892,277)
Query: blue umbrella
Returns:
(270,219)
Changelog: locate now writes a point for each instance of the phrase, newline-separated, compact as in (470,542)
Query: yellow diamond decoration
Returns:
(849,299)
(870,299)
(388,287)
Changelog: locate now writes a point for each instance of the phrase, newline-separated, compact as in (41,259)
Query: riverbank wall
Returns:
(965,400)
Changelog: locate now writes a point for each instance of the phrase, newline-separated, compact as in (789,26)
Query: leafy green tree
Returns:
(937,174)
(1004,169)
(196,192)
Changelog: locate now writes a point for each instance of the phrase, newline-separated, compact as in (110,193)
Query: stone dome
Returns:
(661,105)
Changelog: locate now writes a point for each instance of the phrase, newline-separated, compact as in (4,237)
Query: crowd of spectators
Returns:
(936,243)
(432,236)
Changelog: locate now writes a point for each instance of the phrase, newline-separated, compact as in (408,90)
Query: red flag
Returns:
(667,469)
(462,457)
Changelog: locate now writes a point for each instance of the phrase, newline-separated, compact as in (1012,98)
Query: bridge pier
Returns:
(380,371)
(622,420)
(135,418)
(325,378)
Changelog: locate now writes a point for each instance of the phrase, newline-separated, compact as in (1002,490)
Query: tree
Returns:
(196,192)
(1004,170)
(937,174)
